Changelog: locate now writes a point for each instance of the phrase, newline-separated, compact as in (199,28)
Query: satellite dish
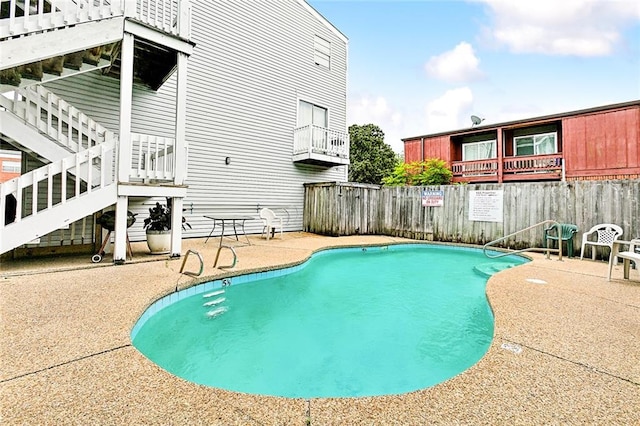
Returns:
(476,120)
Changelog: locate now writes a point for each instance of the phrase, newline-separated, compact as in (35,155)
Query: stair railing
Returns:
(171,16)
(58,119)
(47,14)
(543,249)
(46,187)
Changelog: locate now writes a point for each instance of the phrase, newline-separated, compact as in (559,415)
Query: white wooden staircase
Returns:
(44,40)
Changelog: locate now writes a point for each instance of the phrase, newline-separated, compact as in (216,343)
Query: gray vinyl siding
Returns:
(252,62)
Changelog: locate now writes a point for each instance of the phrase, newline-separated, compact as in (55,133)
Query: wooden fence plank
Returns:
(352,208)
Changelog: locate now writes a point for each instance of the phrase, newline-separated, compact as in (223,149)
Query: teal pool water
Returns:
(347,323)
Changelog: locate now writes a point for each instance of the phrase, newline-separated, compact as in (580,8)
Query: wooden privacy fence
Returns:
(350,208)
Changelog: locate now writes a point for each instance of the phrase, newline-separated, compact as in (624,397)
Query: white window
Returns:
(309,113)
(544,143)
(11,166)
(479,150)
(322,52)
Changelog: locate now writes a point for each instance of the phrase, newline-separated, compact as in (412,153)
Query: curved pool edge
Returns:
(214,282)
(206,284)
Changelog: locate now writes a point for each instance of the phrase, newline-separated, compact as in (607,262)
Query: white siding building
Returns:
(232,109)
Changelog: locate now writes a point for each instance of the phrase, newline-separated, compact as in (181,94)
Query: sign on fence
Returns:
(486,206)
(432,198)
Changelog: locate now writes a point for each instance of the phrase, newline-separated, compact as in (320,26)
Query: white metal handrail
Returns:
(547,249)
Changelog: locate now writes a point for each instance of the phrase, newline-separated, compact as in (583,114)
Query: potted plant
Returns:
(158,228)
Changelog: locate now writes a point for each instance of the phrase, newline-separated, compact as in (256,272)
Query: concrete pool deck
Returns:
(564,352)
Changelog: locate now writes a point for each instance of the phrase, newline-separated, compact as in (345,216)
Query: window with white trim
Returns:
(540,144)
(11,166)
(321,52)
(309,113)
(479,150)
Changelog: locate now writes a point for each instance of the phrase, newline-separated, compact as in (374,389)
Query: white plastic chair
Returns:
(607,233)
(269,218)
(627,257)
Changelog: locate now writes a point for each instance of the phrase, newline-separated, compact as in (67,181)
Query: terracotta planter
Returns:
(159,242)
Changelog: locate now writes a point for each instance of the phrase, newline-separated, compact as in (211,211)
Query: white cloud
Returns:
(449,111)
(457,65)
(568,27)
(367,109)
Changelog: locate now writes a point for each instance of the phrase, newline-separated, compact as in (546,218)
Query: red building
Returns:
(9,165)
(595,143)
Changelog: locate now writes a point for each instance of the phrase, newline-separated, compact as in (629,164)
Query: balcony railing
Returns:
(318,143)
(153,157)
(487,167)
(533,164)
(171,16)
(529,167)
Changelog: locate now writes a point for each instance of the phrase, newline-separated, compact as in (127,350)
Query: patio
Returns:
(66,356)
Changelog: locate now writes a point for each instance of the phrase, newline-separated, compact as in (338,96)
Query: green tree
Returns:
(432,171)
(371,158)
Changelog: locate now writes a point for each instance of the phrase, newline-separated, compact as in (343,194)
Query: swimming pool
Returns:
(348,322)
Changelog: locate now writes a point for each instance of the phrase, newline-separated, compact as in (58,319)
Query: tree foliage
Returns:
(371,158)
(432,171)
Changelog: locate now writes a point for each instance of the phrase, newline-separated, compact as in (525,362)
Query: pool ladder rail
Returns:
(547,249)
(235,257)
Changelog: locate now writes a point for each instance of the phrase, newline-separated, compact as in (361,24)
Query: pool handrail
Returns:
(543,249)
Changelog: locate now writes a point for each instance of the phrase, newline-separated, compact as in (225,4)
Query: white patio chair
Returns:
(269,218)
(627,257)
(606,234)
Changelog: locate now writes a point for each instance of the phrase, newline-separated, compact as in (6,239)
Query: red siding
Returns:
(434,147)
(412,150)
(438,147)
(602,144)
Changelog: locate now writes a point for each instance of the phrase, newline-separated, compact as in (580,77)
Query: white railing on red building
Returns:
(171,16)
(319,140)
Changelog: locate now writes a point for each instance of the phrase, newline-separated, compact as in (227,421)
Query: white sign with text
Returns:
(486,206)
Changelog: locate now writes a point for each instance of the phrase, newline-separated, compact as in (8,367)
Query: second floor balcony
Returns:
(320,146)
(517,168)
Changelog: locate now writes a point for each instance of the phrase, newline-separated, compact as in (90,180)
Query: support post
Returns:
(176,226)
(120,246)
(500,153)
(181,147)
(124,146)
(126,96)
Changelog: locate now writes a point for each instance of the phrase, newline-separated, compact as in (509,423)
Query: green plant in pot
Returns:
(158,228)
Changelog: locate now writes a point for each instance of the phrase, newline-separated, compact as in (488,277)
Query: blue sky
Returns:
(420,67)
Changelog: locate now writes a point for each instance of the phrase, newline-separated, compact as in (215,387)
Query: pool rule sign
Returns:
(486,206)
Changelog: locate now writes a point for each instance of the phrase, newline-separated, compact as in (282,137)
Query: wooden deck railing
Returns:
(513,168)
